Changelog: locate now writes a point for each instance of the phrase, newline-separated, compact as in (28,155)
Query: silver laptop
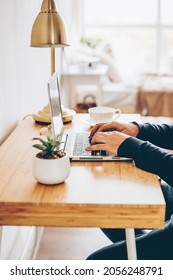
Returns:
(72,143)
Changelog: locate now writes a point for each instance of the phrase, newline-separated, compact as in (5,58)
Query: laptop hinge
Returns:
(63,141)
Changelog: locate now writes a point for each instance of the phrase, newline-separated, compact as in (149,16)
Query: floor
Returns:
(70,243)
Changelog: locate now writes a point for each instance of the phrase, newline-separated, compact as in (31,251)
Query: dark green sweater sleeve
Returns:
(148,157)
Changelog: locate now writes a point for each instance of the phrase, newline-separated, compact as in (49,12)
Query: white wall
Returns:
(24,72)
(72,11)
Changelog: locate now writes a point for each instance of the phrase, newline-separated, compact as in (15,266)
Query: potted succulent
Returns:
(50,165)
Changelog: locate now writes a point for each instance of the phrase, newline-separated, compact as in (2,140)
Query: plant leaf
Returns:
(39,146)
(55,143)
(41,140)
(49,134)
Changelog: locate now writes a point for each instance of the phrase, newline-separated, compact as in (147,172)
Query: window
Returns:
(140,32)
(120,12)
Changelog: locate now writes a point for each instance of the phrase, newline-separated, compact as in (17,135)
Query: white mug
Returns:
(103,114)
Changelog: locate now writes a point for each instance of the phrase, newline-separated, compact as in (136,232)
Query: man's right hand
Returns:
(129,129)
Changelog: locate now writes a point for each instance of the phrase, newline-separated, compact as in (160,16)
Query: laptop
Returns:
(73,144)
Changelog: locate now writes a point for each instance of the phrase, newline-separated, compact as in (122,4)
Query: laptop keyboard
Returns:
(81,142)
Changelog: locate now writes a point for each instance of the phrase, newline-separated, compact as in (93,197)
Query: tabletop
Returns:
(96,194)
(76,70)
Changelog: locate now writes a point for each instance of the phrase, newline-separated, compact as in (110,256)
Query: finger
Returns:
(94,130)
(96,147)
(105,127)
(112,126)
(101,127)
(99,137)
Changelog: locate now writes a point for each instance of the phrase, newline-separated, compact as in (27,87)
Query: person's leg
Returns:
(152,245)
(168,195)
(116,235)
(155,245)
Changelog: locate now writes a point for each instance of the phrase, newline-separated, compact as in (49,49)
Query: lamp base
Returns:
(44,116)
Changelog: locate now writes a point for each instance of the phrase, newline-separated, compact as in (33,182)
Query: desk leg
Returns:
(131,244)
(0,242)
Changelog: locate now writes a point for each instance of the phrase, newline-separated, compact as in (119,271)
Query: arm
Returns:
(159,135)
(145,155)
(131,129)
(148,157)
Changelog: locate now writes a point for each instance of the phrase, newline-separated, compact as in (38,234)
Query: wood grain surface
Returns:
(96,194)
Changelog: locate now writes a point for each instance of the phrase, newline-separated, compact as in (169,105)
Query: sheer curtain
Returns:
(73,13)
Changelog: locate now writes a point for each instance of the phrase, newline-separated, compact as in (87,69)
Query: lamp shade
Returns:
(49,29)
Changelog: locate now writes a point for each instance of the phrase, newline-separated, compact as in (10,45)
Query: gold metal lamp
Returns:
(48,31)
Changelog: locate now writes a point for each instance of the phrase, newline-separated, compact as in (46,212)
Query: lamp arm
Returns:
(52,60)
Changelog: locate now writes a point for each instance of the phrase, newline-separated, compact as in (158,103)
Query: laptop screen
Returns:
(55,104)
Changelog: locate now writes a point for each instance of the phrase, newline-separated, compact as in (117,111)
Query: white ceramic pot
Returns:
(51,171)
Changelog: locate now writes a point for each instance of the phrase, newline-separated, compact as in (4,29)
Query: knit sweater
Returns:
(146,150)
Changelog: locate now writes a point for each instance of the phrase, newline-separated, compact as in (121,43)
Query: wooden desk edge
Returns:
(70,216)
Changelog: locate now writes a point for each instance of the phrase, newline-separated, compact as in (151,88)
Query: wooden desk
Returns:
(97,194)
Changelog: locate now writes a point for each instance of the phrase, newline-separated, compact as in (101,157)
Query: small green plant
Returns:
(92,43)
(49,147)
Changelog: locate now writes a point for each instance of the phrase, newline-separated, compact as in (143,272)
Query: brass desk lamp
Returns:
(48,31)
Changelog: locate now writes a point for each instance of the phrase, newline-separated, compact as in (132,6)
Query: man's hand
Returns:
(129,129)
(109,141)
